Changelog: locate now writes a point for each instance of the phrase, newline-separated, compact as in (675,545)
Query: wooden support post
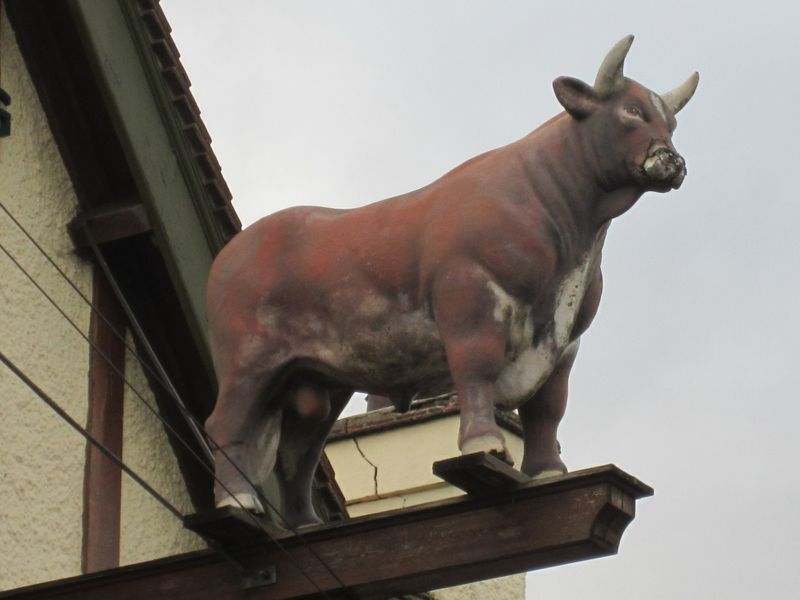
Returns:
(102,486)
(577,516)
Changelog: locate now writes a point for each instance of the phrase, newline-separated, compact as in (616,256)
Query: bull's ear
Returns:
(578,98)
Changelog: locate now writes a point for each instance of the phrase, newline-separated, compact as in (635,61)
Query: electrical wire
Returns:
(93,440)
(187,415)
(22,376)
(177,436)
(159,377)
(170,390)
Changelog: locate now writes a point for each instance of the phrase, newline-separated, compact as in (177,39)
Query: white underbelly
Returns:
(531,364)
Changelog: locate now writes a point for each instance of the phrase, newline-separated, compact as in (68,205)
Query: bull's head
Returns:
(630,127)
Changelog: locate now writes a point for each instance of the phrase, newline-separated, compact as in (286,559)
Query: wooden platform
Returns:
(479,474)
(536,524)
(233,527)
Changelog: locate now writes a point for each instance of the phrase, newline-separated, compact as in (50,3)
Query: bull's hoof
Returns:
(490,444)
(300,514)
(303,522)
(544,469)
(547,473)
(243,500)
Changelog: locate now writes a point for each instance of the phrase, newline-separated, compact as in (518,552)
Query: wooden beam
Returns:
(167,179)
(577,516)
(109,223)
(102,479)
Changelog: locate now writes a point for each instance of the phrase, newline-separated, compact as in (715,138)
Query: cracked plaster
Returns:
(391,469)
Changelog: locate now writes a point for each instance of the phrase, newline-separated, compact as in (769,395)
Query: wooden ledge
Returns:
(577,516)
(480,473)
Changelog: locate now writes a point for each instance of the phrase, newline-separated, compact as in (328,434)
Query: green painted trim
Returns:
(165,174)
(160,160)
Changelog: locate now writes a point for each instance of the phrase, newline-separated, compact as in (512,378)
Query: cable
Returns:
(171,430)
(112,456)
(194,425)
(94,441)
(164,379)
(183,442)
(161,375)
(189,417)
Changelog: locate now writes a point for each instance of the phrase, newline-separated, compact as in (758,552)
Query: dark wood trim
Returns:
(479,473)
(145,284)
(109,223)
(578,516)
(329,499)
(71,99)
(102,479)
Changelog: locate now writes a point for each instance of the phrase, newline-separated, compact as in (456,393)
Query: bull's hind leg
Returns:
(540,417)
(245,438)
(310,411)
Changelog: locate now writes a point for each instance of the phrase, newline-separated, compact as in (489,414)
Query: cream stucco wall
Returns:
(403,457)
(392,469)
(41,458)
(148,530)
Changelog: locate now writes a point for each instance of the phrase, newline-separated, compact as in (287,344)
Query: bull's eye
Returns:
(633,111)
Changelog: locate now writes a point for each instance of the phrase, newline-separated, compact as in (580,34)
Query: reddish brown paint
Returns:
(398,298)
(102,483)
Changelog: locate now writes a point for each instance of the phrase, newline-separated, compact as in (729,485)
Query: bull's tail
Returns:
(262,447)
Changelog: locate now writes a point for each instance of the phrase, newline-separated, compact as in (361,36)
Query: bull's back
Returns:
(305,254)
(250,262)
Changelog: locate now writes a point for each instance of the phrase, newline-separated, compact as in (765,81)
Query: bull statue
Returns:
(481,282)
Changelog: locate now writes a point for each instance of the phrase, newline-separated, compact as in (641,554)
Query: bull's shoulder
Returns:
(293,217)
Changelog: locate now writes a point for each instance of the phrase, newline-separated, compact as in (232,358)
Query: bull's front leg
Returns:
(475,342)
(540,418)
(542,414)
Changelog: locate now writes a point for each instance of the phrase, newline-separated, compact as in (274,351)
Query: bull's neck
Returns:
(565,174)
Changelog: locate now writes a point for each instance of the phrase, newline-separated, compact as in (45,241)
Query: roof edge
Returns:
(384,419)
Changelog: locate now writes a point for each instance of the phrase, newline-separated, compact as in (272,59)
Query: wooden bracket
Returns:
(539,524)
(479,473)
(110,222)
(232,527)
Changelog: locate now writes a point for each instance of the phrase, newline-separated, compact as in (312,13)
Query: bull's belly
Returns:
(408,359)
(384,346)
(396,352)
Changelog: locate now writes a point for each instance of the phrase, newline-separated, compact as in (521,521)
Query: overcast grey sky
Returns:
(688,377)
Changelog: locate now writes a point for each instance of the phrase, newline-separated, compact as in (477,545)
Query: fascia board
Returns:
(167,180)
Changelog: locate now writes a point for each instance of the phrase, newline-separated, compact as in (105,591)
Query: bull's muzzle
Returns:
(664,168)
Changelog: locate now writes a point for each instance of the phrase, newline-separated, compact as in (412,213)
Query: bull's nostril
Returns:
(665,166)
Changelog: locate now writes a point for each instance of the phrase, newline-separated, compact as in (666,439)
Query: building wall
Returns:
(41,458)
(148,530)
(391,469)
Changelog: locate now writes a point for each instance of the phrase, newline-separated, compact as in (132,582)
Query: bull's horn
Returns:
(677,98)
(609,77)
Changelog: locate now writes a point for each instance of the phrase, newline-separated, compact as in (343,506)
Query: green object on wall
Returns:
(5,117)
